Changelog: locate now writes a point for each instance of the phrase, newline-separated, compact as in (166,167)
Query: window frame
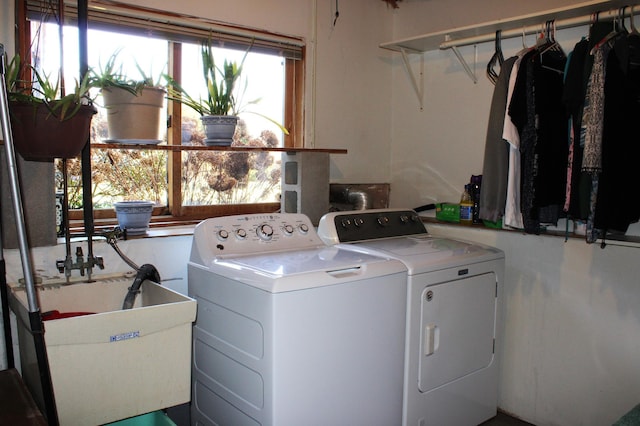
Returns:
(291,48)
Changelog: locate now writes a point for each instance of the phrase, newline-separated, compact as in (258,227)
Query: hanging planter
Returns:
(46,125)
(38,134)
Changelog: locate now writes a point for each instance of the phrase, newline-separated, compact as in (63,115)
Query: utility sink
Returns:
(111,364)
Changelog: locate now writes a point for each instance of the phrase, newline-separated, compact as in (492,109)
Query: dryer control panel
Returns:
(254,233)
(363,225)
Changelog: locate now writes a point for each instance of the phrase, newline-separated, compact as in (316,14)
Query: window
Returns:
(184,184)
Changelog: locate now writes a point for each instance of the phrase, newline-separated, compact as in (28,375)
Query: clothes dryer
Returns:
(290,331)
(454,287)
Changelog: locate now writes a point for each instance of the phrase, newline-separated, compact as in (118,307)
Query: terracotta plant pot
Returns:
(39,135)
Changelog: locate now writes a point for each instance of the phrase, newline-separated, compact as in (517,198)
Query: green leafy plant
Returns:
(224,95)
(43,90)
(112,75)
(220,82)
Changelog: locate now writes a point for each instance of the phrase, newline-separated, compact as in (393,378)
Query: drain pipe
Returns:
(359,199)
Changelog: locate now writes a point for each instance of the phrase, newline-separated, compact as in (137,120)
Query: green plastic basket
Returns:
(155,418)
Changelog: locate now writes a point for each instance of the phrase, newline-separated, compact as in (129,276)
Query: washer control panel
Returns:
(363,225)
(254,233)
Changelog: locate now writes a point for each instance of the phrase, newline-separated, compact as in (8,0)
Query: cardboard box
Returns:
(113,364)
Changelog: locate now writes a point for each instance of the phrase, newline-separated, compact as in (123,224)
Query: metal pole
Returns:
(37,328)
(576,21)
(87,200)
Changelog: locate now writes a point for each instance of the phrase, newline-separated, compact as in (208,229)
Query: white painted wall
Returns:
(572,323)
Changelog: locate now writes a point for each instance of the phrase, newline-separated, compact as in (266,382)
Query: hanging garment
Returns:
(593,113)
(496,151)
(523,115)
(576,78)
(551,124)
(536,109)
(512,214)
(592,124)
(615,207)
(576,81)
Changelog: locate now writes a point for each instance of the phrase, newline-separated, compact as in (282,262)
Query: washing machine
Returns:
(453,315)
(290,331)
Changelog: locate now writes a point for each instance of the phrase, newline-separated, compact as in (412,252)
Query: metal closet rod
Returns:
(532,29)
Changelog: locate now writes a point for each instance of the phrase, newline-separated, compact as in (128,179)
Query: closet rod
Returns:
(534,29)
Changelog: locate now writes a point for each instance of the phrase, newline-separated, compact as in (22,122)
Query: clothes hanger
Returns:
(621,27)
(552,57)
(615,31)
(544,36)
(497,57)
(525,48)
(634,30)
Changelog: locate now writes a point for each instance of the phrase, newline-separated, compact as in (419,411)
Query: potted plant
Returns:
(45,124)
(219,110)
(134,107)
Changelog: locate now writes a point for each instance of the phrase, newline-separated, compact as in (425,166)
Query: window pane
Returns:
(260,89)
(215,177)
(211,177)
(208,177)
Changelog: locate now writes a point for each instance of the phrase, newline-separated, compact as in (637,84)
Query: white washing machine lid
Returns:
(424,253)
(303,269)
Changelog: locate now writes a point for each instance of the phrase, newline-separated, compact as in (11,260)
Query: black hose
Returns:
(37,330)
(145,272)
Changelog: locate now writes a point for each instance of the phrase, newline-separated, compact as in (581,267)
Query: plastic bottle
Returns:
(466,206)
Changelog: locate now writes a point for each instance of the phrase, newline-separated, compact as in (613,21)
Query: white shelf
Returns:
(563,17)
(459,36)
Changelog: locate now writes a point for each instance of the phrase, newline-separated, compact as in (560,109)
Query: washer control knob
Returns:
(404,218)
(303,228)
(345,223)
(358,221)
(223,235)
(265,232)
(241,234)
(383,221)
(288,229)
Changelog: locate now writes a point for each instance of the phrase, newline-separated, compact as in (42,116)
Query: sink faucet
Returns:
(79,261)
(69,265)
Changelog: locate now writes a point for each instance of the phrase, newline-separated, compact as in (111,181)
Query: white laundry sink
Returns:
(114,363)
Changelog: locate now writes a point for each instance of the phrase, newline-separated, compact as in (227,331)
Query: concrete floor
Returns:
(503,419)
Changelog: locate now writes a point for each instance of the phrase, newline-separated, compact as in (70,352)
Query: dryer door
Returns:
(457,329)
